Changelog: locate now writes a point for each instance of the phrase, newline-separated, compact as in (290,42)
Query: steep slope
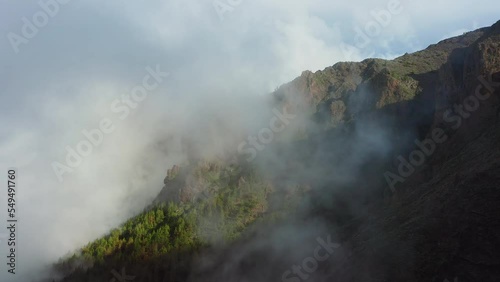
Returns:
(219,221)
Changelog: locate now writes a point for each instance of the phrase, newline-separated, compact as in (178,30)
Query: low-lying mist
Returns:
(106,97)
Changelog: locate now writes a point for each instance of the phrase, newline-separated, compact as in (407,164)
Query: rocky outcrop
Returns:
(442,221)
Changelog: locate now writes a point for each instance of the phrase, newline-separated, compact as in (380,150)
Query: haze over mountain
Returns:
(252,211)
(391,166)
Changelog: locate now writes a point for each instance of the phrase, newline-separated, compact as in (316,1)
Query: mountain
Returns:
(391,170)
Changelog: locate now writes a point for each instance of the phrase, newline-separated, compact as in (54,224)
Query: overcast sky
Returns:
(64,76)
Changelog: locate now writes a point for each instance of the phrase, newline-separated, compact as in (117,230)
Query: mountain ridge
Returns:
(209,208)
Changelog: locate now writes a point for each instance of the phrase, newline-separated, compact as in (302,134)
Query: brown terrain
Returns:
(440,222)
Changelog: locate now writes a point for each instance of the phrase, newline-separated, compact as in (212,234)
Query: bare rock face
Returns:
(442,222)
(447,211)
(171,173)
(425,77)
(186,183)
(338,110)
(444,217)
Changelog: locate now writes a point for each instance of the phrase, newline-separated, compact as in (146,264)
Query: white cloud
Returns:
(64,79)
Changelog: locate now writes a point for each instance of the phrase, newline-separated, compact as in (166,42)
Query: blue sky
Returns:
(64,79)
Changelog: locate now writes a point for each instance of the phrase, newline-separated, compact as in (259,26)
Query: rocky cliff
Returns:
(400,163)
